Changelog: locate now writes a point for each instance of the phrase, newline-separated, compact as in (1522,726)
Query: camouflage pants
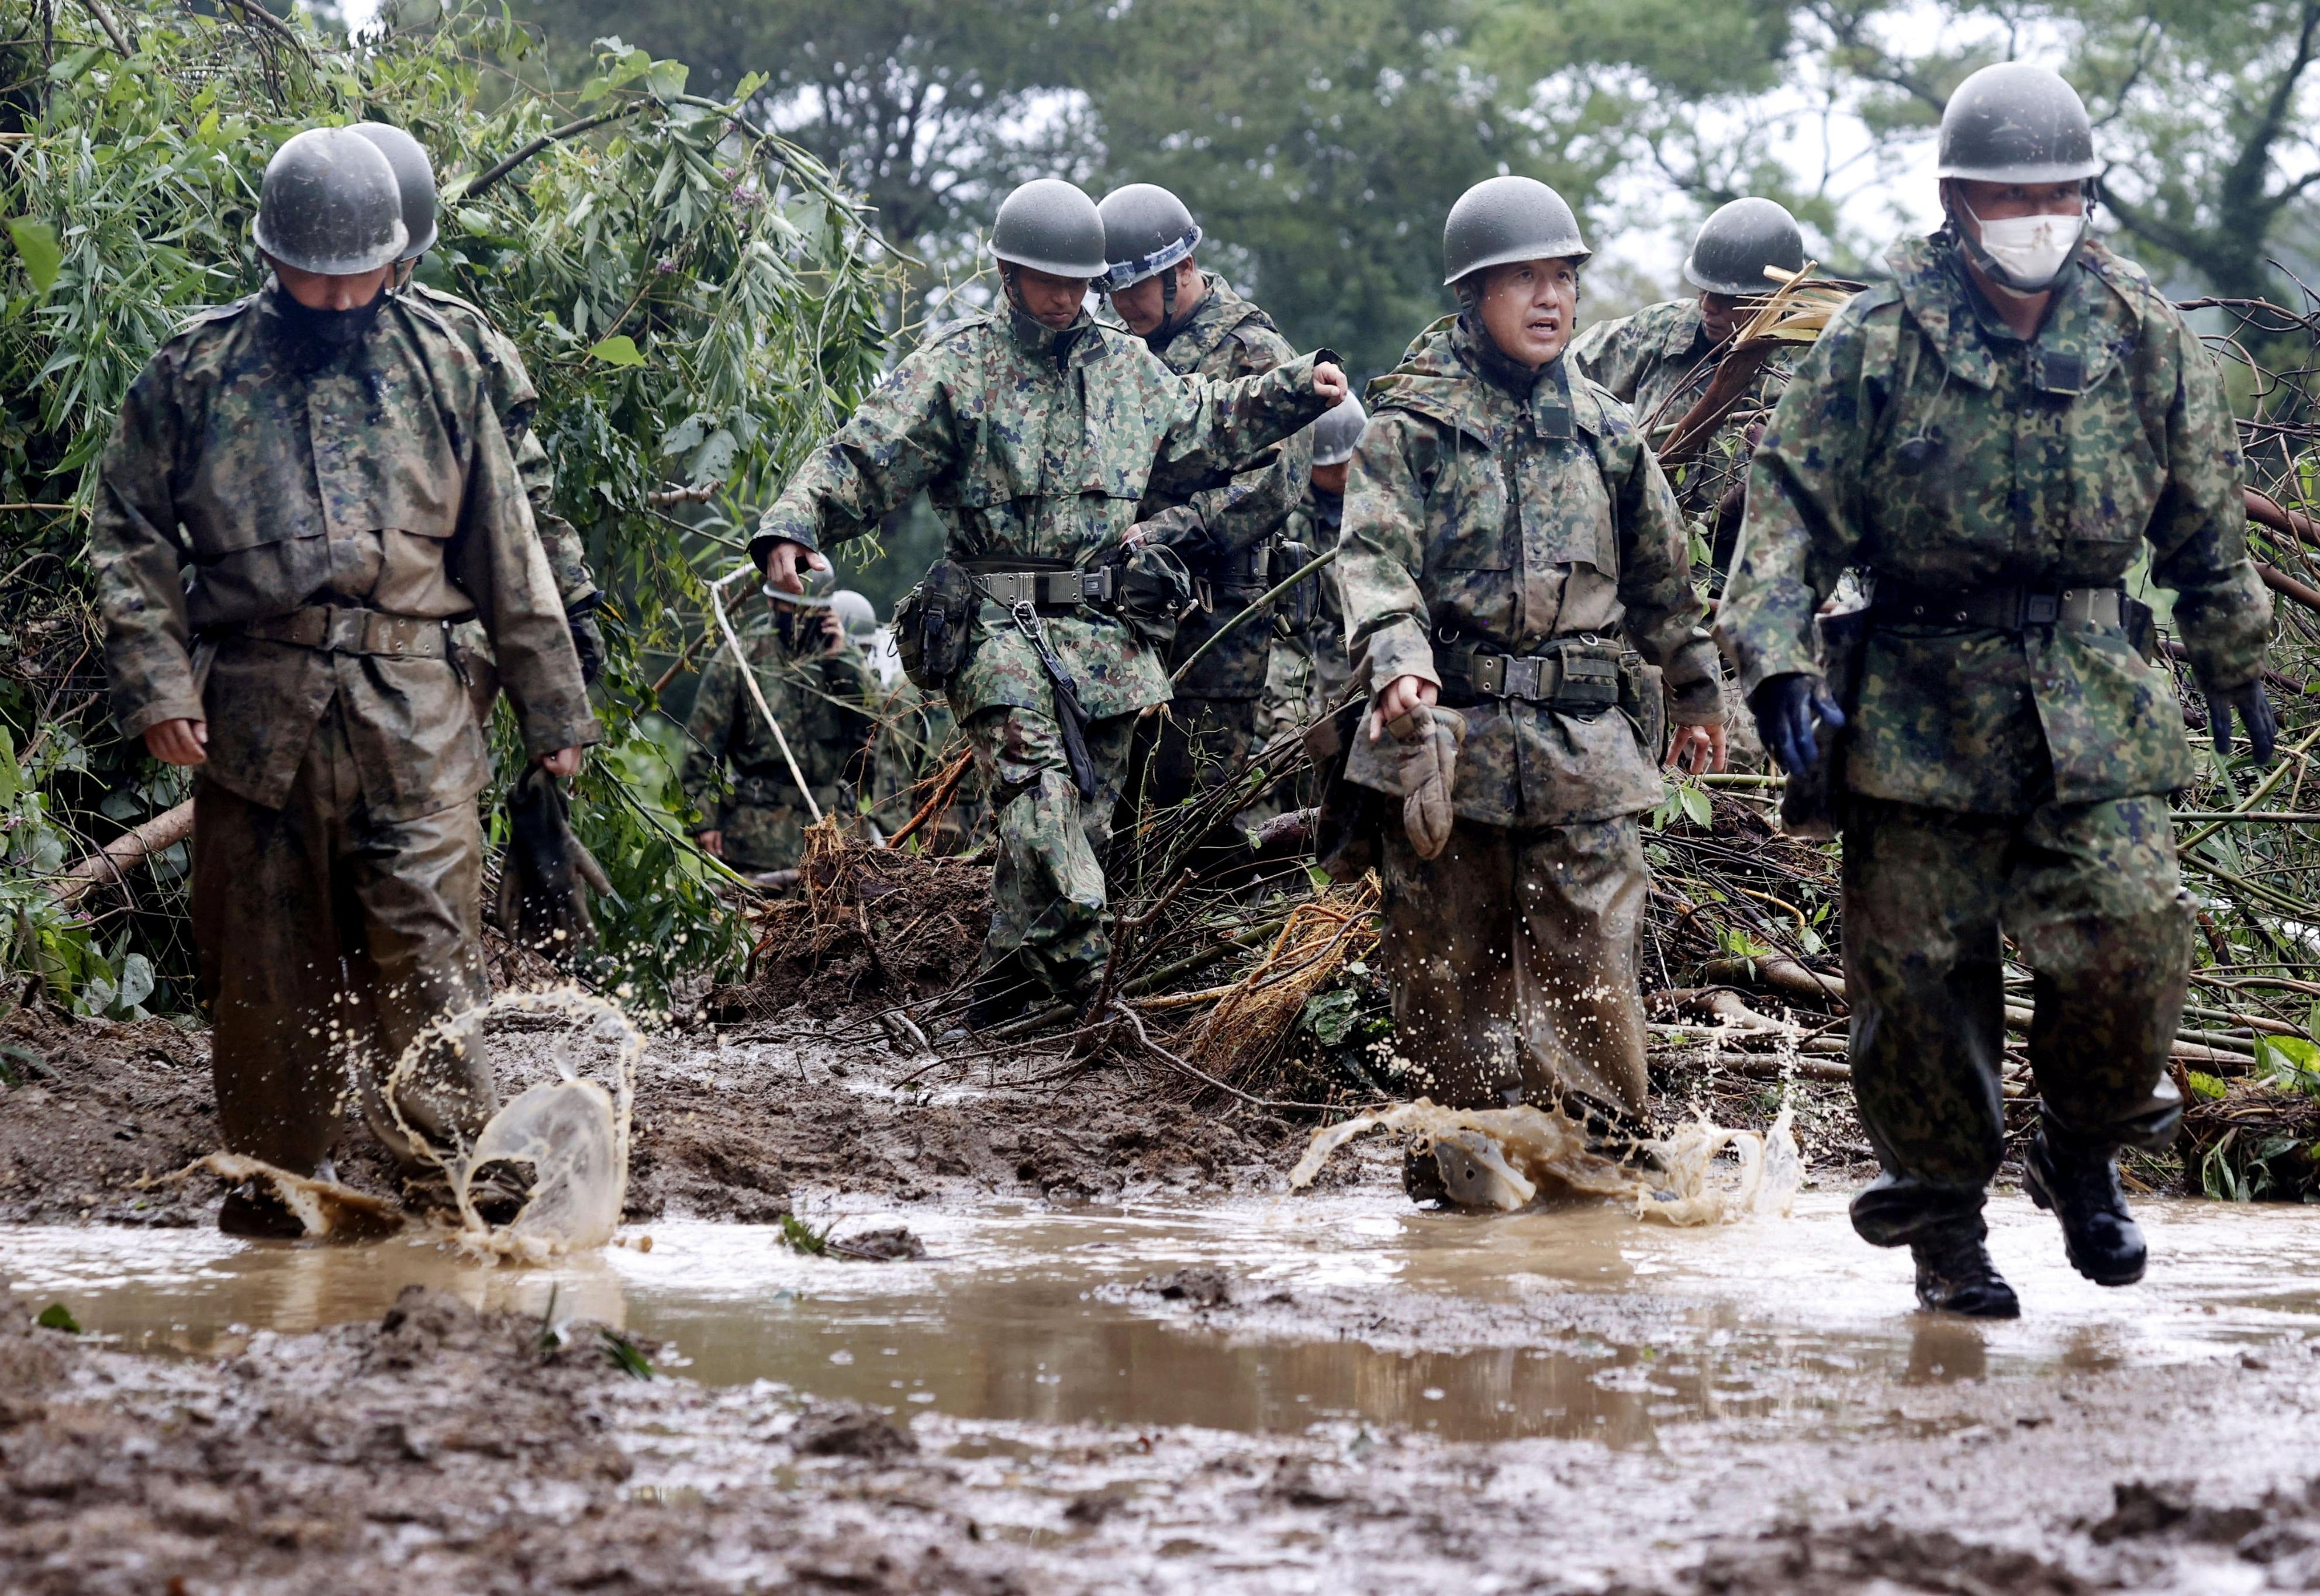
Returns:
(1048,897)
(758,838)
(2090,896)
(328,941)
(1512,962)
(1190,745)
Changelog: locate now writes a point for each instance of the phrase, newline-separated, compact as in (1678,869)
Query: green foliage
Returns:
(696,301)
(802,1237)
(56,1316)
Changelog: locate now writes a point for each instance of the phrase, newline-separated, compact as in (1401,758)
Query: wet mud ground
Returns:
(1130,1360)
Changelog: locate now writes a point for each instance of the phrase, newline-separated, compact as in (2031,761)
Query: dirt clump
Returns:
(1200,1285)
(1794,1560)
(850,1429)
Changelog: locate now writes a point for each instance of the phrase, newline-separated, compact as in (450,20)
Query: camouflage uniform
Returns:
(2002,781)
(1224,528)
(1305,671)
(822,698)
(516,401)
(1035,447)
(309,533)
(1655,362)
(1492,514)
(917,737)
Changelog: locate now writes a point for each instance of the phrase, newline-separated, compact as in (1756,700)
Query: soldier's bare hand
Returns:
(1401,695)
(1330,384)
(712,843)
(1700,749)
(178,742)
(833,632)
(562,762)
(783,561)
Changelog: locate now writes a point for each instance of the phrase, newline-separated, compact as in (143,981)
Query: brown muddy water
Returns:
(1027,1313)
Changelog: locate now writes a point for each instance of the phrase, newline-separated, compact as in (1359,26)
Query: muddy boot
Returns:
(498,1191)
(252,1208)
(1955,1275)
(1002,993)
(2079,1185)
(1421,1175)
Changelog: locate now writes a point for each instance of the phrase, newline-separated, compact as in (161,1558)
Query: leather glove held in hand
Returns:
(547,873)
(2254,710)
(1786,708)
(1431,738)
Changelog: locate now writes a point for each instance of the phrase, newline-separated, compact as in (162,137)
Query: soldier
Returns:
(516,401)
(1658,361)
(1505,526)
(1036,432)
(1222,525)
(305,491)
(1305,673)
(1992,437)
(821,689)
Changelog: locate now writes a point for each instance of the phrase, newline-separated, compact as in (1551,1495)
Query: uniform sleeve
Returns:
(1233,422)
(2199,532)
(901,439)
(517,400)
(1605,355)
(1382,555)
(139,558)
(1802,527)
(1247,510)
(1664,612)
(496,559)
(706,730)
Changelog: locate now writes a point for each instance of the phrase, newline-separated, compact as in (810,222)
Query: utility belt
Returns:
(331,629)
(1580,675)
(1250,572)
(2001,606)
(1146,589)
(1063,588)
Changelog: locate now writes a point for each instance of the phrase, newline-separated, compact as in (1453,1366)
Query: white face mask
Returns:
(2029,252)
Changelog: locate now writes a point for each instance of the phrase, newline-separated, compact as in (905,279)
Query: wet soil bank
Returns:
(441,1448)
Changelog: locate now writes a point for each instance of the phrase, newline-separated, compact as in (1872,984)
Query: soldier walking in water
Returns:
(1036,433)
(305,492)
(1994,437)
(1517,602)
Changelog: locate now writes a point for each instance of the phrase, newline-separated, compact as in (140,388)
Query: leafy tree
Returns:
(698,302)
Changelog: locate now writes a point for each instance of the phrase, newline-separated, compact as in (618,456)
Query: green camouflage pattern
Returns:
(1655,362)
(1507,512)
(1221,523)
(1921,441)
(1306,671)
(1034,446)
(379,479)
(1048,898)
(733,771)
(1512,959)
(917,737)
(2087,894)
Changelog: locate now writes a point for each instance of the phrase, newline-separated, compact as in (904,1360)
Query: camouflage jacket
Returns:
(824,700)
(1652,363)
(1315,525)
(242,483)
(518,401)
(1496,512)
(917,737)
(1035,446)
(1923,442)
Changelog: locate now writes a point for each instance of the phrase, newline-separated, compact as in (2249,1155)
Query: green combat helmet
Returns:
(1050,225)
(1339,431)
(2013,122)
(1502,220)
(1739,242)
(414,177)
(855,614)
(1147,232)
(330,204)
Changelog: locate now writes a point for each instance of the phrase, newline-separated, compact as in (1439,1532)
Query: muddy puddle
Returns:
(1578,1322)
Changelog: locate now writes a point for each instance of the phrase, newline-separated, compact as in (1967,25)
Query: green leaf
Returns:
(11,775)
(620,350)
(2205,1085)
(56,1316)
(665,78)
(136,981)
(1696,809)
(36,244)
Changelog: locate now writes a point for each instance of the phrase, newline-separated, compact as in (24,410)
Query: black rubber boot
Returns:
(1421,1175)
(1955,1275)
(251,1209)
(1001,993)
(2079,1185)
(499,1190)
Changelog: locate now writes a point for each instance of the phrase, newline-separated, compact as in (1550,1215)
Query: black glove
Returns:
(588,642)
(2254,710)
(1787,708)
(545,875)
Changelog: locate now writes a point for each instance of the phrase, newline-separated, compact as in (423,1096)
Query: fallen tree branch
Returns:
(570,130)
(112,29)
(124,853)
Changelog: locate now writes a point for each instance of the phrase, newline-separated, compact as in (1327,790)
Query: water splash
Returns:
(571,1134)
(1505,1158)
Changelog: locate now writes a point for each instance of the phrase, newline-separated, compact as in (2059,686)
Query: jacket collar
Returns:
(1074,345)
(1211,321)
(1457,377)
(2089,328)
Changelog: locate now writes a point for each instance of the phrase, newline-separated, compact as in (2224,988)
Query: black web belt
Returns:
(2002,606)
(1047,590)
